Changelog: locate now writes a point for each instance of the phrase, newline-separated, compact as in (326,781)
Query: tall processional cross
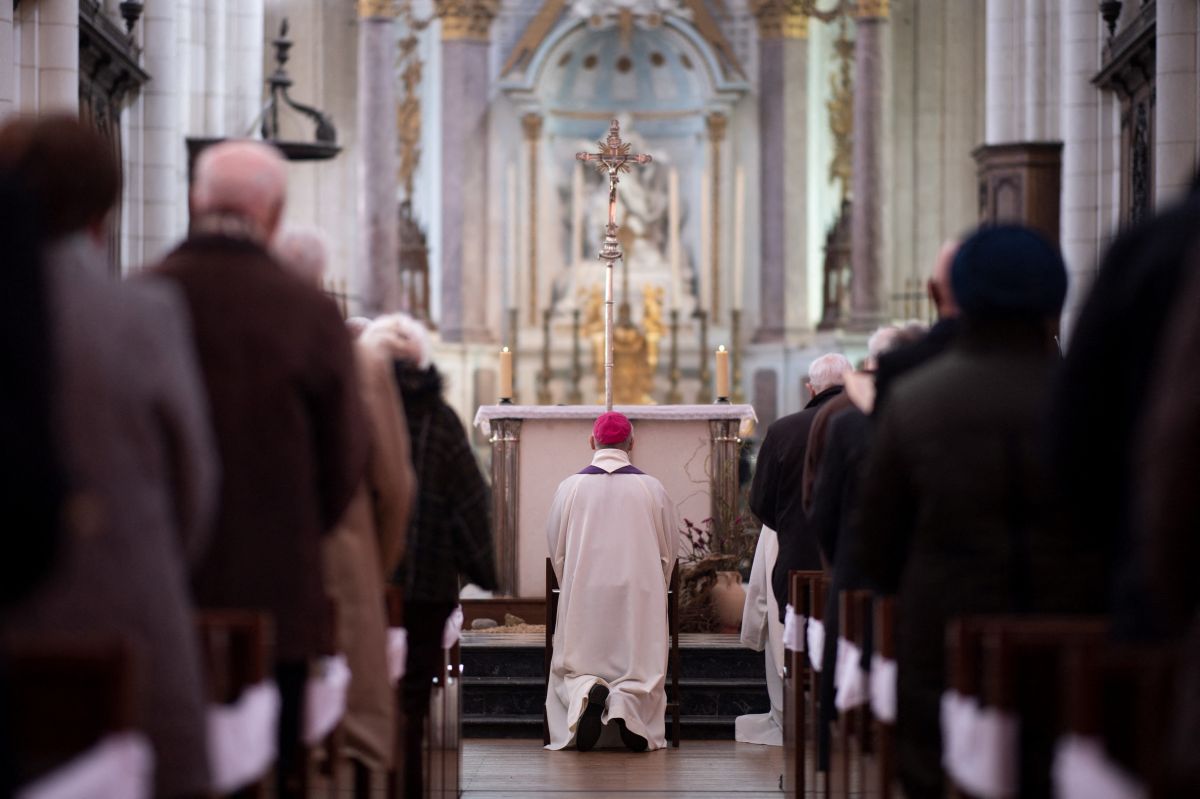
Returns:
(614,158)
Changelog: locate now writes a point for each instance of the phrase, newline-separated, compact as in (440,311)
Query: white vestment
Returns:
(762,630)
(613,540)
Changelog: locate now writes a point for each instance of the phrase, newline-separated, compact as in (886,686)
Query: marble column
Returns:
(716,124)
(782,77)
(1079,32)
(8,62)
(376,276)
(1003,117)
(49,56)
(465,79)
(164,163)
(868,302)
(1176,128)
(531,125)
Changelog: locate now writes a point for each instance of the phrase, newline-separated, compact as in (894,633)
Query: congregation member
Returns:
(138,458)
(775,495)
(956,510)
(369,541)
(838,446)
(1097,422)
(904,359)
(450,534)
(279,372)
(613,537)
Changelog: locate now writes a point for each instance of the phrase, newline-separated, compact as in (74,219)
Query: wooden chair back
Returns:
(798,678)
(884,643)
(64,694)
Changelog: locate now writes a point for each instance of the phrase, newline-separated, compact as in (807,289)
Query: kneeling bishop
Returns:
(613,536)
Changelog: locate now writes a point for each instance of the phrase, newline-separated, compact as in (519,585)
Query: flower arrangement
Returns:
(710,547)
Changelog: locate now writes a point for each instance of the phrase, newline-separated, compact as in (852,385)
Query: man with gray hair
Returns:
(775,494)
(280,378)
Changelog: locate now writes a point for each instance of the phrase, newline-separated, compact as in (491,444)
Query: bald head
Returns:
(243,179)
(939,282)
(304,252)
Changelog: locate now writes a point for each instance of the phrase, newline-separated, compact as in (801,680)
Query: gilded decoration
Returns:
(467,20)
(376,8)
(873,9)
(635,350)
(840,106)
(781,19)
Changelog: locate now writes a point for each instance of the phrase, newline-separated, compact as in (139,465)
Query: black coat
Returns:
(775,494)
(893,365)
(833,518)
(957,516)
(1105,388)
(450,533)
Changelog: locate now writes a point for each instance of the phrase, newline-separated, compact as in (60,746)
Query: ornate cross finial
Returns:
(613,159)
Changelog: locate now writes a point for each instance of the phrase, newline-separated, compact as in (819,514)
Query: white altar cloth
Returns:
(674,443)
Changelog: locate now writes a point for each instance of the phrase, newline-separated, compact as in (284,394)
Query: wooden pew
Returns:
(798,680)
(1118,698)
(1010,664)
(674,696)
(818,589)
(884,773)
(854,731)
(443,752)
(63,695)
(235,649)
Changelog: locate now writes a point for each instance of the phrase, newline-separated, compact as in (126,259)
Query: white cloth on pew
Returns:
(762,630)
(1083,770)
(979,747)
(243,737)
(793,630)
(397,643)
(119,766)
(325,698)
(816,643)
(849,676)
(883,689)
(453,629)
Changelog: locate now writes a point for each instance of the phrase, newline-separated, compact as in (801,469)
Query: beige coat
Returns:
(364,551)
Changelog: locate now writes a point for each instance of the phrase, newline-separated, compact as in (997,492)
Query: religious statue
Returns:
(634,356)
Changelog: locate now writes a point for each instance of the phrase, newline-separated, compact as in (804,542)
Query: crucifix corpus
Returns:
(614,158)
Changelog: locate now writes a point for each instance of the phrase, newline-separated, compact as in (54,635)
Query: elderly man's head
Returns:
(941,293)
(302,250)
(244,180)
(828,371)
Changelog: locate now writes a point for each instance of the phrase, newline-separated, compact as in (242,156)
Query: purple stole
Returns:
(594,469)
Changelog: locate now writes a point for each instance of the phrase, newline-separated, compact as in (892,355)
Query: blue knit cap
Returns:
(1008,271)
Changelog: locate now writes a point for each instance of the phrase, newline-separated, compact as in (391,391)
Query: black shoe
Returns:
(588,731)
(632,740)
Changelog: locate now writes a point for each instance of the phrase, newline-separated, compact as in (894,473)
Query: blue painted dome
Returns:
(648,69)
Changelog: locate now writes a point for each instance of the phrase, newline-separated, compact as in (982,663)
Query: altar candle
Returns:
(722,372)
(673,237)
(739,236)
(510,283)
(506,390)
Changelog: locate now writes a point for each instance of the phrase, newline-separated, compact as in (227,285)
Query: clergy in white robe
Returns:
(612,536)
(763,631)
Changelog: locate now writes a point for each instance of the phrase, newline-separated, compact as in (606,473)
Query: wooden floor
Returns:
(498,769)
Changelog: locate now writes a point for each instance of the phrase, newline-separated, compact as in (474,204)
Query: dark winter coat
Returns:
(450,534)
(280,374)
(776,493)
(957,515)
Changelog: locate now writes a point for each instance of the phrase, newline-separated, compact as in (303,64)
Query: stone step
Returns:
(504,688)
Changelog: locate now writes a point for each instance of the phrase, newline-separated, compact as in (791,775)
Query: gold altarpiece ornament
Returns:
(467,20)
(636,350)
(376,8)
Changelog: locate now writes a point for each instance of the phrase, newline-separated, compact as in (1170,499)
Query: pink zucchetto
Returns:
(612,428)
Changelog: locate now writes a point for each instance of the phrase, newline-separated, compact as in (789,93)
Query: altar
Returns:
(692,449)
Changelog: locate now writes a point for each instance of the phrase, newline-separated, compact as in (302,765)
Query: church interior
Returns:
(895,299)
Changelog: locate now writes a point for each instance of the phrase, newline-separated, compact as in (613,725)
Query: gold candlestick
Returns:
(575,396)
(704,395)
(673,395)
(735,323)
(543,390)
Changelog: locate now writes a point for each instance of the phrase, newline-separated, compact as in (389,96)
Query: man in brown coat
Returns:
(279,369)
(136,447)
(370,539)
